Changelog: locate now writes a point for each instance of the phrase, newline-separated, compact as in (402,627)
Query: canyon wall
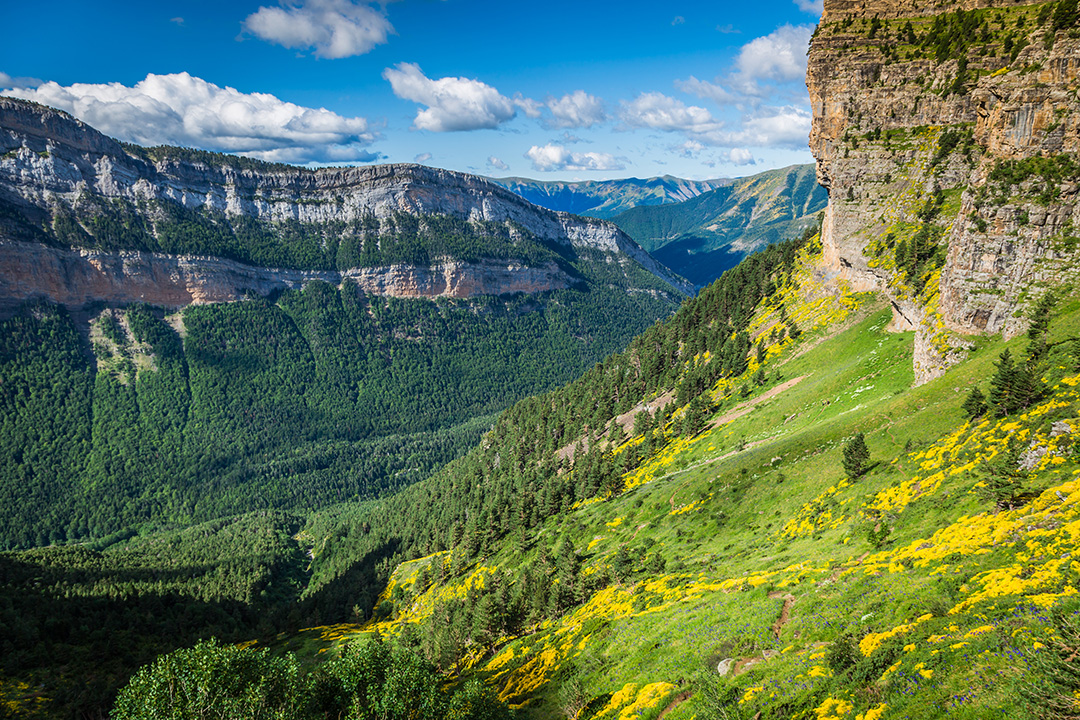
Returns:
(80,277)
(53,166)
(976,113)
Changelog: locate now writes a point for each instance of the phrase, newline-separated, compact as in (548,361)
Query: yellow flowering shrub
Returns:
(833,708)
(873,641)
(630,702)
(816,515)
(873,713)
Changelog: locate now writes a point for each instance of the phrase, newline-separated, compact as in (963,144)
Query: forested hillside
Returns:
(840,483)
(549,452)
(809,535)
(188,335)
(324,396)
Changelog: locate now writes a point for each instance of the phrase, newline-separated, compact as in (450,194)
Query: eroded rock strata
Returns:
(946,134)
(55,169)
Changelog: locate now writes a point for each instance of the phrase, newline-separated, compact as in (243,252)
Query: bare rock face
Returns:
(80,277)
(50,162)
(898,123)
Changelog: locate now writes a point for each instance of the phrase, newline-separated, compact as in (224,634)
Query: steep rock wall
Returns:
(80,277)
(897,121)
(51,162)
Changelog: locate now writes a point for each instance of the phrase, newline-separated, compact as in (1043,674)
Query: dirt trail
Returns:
(744,664)
(744,407)
(675,702)
(785,612)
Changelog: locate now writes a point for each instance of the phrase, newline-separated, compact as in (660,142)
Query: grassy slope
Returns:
(942,618)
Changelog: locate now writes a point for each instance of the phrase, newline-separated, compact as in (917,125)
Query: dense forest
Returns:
(78,619)
(548,452)
(316,397)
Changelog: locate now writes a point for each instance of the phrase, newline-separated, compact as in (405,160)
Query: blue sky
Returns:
(551,90)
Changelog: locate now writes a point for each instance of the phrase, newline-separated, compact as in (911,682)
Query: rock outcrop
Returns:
(51,164)
(973,111)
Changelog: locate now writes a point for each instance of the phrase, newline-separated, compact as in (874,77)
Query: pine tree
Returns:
(975,405)
(1002,384)
(1037,330)
(1065,14)
(1013,386)
(856,456)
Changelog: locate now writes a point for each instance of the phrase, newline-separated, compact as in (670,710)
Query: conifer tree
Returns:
(1013,386)
(975,405)
(856,456)
(1040,325)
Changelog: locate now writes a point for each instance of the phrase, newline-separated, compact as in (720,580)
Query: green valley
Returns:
(841,482)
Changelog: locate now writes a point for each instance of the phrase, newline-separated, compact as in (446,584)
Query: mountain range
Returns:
(699,229)
(264,335)
(607,198)
(703,236)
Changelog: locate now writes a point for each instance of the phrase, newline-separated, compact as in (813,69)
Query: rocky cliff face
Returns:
(81,277)
(52,164)
(947,141)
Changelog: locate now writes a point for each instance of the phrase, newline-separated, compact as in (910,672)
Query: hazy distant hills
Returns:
(607,198)
(698,228)
(705,235)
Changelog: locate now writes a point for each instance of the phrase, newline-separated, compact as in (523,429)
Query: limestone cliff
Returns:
(84,217)
(81,277)
(946,134)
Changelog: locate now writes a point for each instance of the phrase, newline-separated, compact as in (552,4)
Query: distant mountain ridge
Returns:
(63,183)
(707,234)
(607,198)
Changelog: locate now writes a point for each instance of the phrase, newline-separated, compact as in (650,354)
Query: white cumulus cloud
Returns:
(494,162)
(787,126)
(657,111)
(707,90)
(689,149)
(181,109)
(765,68)
(453,103)
(551,157)
(576,110)
(741,156)
(9,82)
(333,28)
(766,87)
(531,108)
(422,158)
(779,56)
(814,7)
